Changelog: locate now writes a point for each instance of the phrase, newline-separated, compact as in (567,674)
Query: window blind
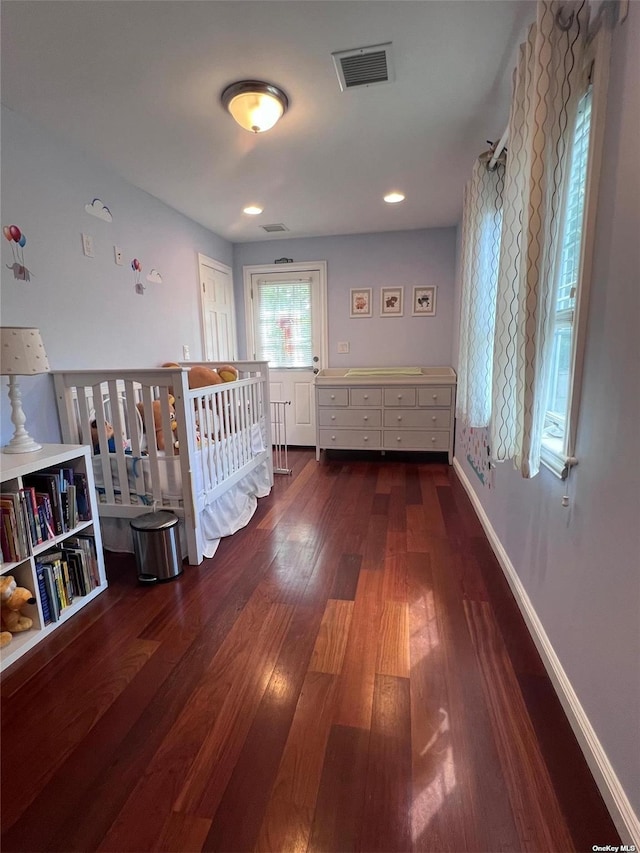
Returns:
(285,323)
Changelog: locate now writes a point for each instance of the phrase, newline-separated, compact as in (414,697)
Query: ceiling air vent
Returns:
(271,229)
(364,66)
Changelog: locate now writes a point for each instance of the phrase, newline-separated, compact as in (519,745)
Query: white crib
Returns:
(211,480)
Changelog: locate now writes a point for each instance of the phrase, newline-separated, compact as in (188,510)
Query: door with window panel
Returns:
(287,332)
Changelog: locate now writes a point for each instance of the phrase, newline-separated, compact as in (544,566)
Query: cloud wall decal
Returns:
(99,209)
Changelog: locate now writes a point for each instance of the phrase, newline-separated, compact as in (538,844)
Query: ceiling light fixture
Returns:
(252,210)
(255,105)
(394,198)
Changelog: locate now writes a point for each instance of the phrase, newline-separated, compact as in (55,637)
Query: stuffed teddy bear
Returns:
(157,422)
(200,377)
(12,598)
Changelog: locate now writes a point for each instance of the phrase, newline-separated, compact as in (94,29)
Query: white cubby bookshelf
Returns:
(13,468)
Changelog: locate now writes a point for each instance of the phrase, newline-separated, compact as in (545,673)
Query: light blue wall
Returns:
(391,259)
(581,565)
(86,308)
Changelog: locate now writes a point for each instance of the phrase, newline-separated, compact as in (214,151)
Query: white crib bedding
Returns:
(218,517)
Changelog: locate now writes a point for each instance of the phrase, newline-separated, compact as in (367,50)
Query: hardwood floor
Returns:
(349,672)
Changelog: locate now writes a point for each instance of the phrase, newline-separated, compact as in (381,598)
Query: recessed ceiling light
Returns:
(252,210)
(393,198)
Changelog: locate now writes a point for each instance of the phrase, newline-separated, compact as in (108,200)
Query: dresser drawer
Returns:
(414,439)
(333,396)
(435,396)
(365,396)
(418,418)
(399,396)
(351,438)
(349,418)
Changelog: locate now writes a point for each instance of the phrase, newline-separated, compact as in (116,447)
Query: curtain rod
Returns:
(501,145)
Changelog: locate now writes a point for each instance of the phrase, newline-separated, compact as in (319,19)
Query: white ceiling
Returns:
(137,83)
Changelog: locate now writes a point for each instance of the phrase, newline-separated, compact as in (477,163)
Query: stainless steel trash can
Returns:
(156,545)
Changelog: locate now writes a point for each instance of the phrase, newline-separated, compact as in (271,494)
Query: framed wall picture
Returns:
(361,302)
(391,302)
(424,302)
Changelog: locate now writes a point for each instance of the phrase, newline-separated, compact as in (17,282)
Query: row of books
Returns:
(66,574)
(50,503)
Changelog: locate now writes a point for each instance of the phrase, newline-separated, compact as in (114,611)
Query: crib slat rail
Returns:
(223,432)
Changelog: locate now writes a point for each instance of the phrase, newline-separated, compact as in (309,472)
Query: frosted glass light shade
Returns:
(255,105)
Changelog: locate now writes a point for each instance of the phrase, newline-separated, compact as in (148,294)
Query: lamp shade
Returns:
(255,105)
(22,352)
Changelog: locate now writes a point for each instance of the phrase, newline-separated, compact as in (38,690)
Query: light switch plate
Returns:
(87,245)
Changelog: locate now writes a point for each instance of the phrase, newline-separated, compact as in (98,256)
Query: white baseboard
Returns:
(613,793)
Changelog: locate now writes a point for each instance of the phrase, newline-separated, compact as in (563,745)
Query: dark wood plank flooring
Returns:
(350,672)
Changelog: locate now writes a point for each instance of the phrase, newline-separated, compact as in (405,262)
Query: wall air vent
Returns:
(271,229)
(364,66)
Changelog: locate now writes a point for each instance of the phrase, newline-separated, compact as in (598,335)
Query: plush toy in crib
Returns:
(111,441)
(12,598)
(95,438)
(201,376)
(228,373)
(157,423)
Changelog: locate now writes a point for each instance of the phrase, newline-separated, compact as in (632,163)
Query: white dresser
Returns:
(359,409)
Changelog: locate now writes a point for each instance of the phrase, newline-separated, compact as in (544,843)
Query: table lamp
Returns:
(21,354)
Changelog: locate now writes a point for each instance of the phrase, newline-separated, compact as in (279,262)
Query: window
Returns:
(284,323)
(554,442)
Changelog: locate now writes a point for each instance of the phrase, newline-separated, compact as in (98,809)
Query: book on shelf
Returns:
(45,514)
(52,590)
(49,483)
(45,601)
(60,575)
(85,543)
(82,496)
(16,535)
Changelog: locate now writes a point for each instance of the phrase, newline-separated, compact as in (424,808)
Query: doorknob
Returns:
(315,358)
(315,370)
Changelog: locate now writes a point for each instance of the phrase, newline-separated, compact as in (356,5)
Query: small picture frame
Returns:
(391,299)
(424,302)
(361,302)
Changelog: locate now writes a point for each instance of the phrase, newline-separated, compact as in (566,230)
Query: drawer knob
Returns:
(366,417)
(398,438)
(435,396)
(433,438)
(333,417)
(365,438)
(399,417)
(333,396)
(366,396)
(433,417)
(333,438)
(399,396)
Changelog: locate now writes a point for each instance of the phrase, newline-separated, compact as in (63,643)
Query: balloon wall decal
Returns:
(154,277)
(17,240)
(136,266)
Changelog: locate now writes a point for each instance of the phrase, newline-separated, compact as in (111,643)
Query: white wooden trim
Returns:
(613,793)
(599,52)
(269,269)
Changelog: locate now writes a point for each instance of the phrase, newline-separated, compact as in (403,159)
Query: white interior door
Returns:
(219,342)
(287,326)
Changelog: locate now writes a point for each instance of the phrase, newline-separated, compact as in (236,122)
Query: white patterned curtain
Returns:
(546,93)
(481,224)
